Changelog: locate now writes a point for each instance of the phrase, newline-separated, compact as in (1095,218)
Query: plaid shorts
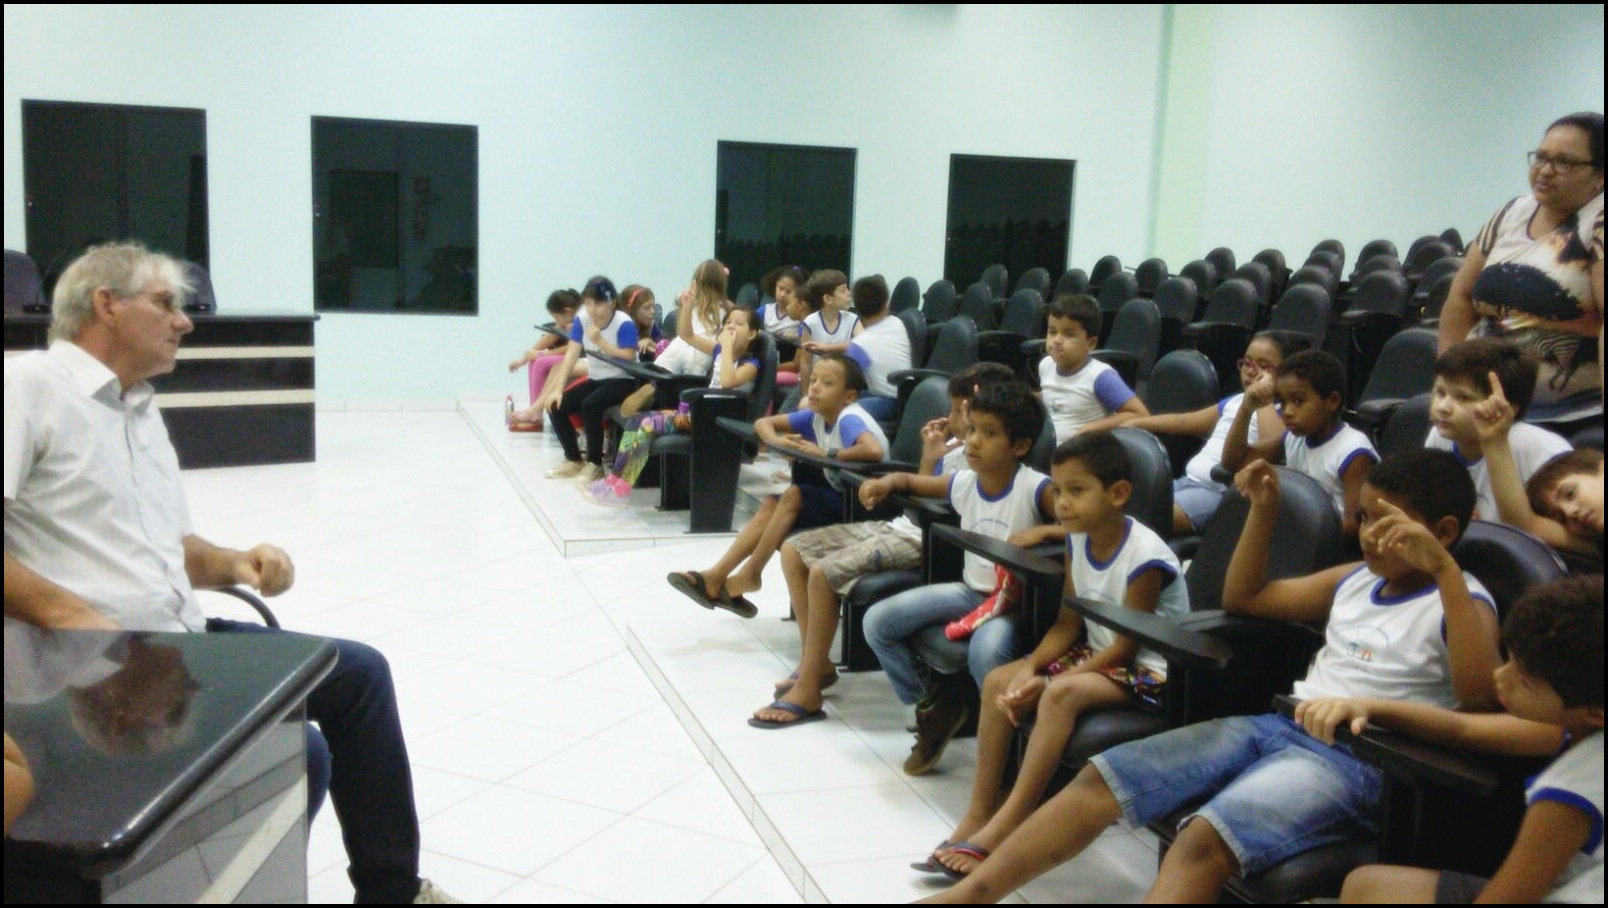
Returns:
(1142,682)
(846,552)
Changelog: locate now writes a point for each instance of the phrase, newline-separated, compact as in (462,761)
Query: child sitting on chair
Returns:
(1310,389)
(831,426)
(1407,624)
(1562,501)
(997,495)
(1551,687)
(822,564)
(734,369)
(1079,666)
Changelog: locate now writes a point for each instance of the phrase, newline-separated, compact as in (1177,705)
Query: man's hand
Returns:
(266,568)
(1322,717)
(1493,416)
(1400,535)
(1259,483)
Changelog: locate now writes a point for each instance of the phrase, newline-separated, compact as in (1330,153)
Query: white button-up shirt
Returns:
(94,501)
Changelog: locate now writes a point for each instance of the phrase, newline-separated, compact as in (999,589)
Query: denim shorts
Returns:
(1270,790)
(1198,500)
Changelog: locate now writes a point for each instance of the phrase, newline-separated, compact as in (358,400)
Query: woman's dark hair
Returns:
(1591,124)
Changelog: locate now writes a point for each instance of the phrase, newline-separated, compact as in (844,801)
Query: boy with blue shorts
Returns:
(1406,625)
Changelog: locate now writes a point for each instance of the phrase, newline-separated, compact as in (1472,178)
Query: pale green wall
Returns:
(1286,125)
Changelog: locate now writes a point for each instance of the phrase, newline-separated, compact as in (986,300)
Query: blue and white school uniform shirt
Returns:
(881,349)
(1015,508)
(1325,458)
(953,461)
(1200,466)
(621,331)
(1076,399)
(1574,779)
(852,423)
(1532,447)
(779,323)
(714,372)
(1389,647)
(838,333)
(1107,581)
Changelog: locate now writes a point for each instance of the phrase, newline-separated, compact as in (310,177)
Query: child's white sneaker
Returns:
(588,474)
(569,469)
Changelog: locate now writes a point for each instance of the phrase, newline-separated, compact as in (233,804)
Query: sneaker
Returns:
(569,469)
(610,491)
(431,894)
(589,474)
(935,727)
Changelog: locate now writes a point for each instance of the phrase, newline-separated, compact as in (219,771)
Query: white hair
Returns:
(126,269)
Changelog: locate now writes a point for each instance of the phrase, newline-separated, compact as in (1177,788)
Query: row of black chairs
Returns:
(25,293)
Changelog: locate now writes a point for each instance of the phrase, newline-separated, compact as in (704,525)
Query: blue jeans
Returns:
(906,632)
(1274,791)
(370,782)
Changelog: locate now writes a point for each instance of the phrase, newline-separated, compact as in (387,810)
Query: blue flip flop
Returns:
(804,716)
(932,864)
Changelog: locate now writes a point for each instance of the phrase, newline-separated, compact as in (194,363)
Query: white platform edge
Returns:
(792,867)
(574,548)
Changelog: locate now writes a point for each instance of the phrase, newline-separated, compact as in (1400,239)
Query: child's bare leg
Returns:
(747,578)
(1066,698)
(1383,884)
(815,666)
(1054,834)
(797,575)
(1196,867)
(994,734)
(1181,524)
(741,547)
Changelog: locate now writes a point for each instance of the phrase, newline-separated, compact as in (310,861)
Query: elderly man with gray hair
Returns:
(98,536)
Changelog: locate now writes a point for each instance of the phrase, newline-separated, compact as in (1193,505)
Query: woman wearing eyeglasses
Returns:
(1534,275)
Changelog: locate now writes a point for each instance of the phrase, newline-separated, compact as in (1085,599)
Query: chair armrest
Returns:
(1000,552)
(1353,317)
(1200,329)
(1404,758)
(1375,413)
(1223,475)
(1176,643)
(914,375)
(746,431)
(888,466)
(740,428)
(640,371)
(1220,624)
(1034,347)
(692,394)
(251,599)
(549,329)
(929,507)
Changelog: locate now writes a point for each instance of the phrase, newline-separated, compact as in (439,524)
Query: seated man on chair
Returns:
(98,536)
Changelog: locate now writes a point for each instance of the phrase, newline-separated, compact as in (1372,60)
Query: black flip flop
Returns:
(693,589)
(737,605)
(803,716)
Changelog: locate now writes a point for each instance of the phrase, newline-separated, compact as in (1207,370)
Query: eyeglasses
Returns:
(1561,166)
(1259,365)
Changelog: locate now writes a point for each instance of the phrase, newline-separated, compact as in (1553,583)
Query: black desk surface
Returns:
(166,712)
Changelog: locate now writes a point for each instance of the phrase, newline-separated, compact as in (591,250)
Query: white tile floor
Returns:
(548,765)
